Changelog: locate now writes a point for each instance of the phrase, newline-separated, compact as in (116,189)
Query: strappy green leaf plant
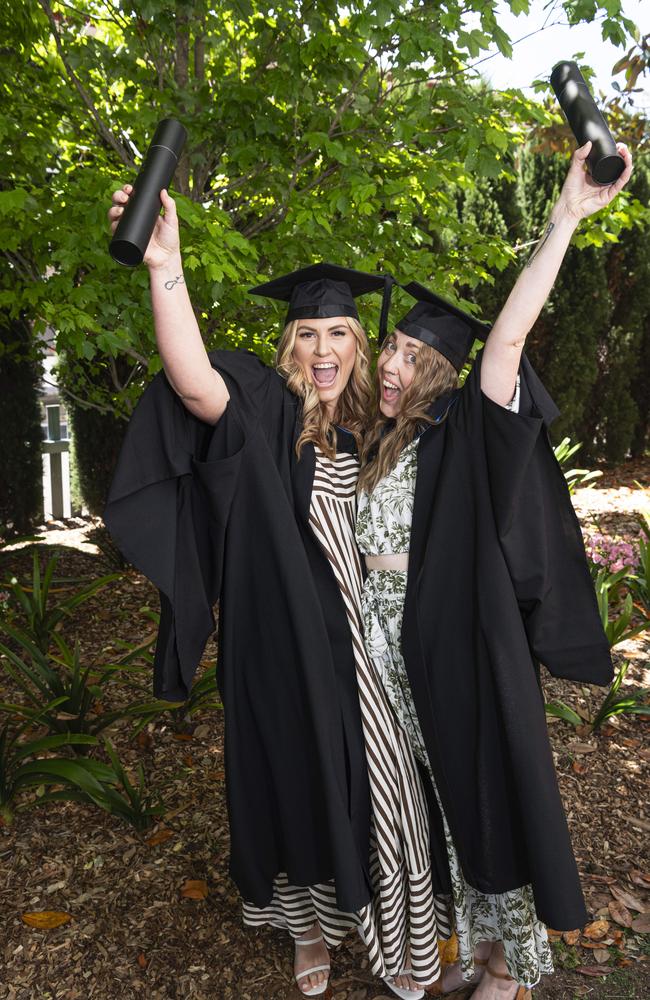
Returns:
(203,696)
(73,689)
(617,629)
(614,703)
(574,477)
(106,787)
(609,588)
(84,779)
(16,772)
(41,616)
(560,710)
(138,806)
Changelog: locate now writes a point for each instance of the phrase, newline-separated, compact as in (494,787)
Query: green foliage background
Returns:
(359,133)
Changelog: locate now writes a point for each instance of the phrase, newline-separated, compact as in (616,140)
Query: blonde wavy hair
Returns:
(434,376)
(353,404)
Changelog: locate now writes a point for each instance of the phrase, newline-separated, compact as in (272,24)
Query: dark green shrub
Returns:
(21,489)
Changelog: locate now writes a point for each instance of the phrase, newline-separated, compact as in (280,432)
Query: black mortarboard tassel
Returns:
(441,325)
(323,290)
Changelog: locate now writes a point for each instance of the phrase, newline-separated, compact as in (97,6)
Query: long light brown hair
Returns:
(434,376)
(353,404)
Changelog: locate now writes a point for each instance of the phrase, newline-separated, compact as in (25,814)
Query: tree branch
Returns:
(349,97)
(104,131)
(84,402)
(279,213)
(22,265)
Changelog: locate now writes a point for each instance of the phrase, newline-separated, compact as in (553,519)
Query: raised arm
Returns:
(580,197)
(178,337)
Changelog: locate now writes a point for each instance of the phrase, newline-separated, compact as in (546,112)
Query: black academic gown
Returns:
(221,513)
(498,582)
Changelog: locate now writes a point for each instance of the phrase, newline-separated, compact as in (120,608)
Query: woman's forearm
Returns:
(579,198)
(505,342)
(179,340)
(536,280)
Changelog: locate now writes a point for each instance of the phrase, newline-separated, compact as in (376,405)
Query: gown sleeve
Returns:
(537,527)
(169,503)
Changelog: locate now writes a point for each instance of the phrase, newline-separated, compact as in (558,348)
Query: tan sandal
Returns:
(522,993)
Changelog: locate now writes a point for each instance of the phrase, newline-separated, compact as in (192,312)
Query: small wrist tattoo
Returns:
(549,230)
(179,280)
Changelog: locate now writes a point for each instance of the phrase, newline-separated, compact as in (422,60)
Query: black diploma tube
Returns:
(133,232)
(605,163)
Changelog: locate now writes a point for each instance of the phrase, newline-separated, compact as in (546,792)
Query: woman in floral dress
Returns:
(453,447)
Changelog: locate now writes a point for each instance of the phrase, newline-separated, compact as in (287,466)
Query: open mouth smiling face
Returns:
(326,350)
(395,371)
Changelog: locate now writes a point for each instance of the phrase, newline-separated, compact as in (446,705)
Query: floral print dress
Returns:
(383,527)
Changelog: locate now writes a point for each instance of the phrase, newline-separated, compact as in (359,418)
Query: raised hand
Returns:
(581,196)
(164,244)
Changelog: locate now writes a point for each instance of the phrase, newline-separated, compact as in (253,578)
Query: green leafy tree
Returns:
(340,131)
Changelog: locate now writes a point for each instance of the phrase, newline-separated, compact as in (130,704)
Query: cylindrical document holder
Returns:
(133,232)
(605,163)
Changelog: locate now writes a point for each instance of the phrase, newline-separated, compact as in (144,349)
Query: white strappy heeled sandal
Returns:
(315,991)
(401,991)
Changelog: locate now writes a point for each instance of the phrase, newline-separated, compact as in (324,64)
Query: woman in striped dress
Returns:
(405,917)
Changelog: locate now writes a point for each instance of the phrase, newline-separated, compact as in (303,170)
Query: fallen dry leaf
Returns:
(45,919)
(448,950)
(620,913)
(602,955)
(642,924)
(159,838)
(640,878)
(194,888)
(577,747)
(571,937)
(578,767)
(142,962)
(627,898)
(595,970)
(596,929)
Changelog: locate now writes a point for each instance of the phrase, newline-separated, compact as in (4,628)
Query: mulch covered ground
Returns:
(137,928)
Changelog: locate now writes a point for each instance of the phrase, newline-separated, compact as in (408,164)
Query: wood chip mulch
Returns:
(156,917)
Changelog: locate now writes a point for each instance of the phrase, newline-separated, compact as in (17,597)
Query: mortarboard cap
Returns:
(323,290)
(440,324)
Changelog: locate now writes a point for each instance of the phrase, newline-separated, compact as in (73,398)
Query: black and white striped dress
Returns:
(404,912)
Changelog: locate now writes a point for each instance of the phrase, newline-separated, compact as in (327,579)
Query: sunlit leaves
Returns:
(316,131)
